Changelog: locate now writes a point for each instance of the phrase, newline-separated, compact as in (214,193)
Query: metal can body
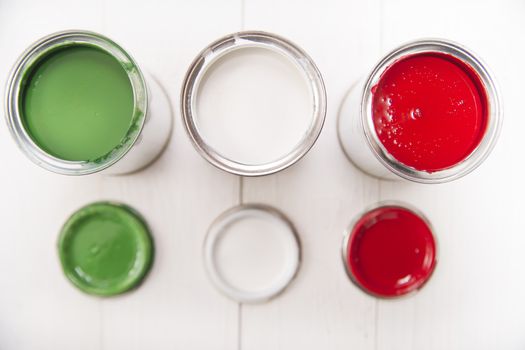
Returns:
(154,136)
(353,139)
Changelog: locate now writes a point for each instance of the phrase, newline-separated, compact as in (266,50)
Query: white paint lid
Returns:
(251,253)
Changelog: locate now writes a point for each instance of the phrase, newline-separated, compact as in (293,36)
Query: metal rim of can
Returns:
(237,41)
(495,114)
(14,89)
(217,230)
(348,233)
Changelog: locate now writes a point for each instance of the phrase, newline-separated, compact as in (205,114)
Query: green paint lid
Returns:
(105,248)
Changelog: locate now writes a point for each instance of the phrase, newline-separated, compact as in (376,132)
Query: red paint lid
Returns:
(390,251)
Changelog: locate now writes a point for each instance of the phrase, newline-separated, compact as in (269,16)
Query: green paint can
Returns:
(77,103)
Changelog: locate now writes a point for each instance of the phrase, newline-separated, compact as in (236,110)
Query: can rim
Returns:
(32,56)
(237,41)
(495,113)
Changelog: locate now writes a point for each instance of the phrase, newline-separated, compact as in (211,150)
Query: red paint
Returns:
(429,111)
(391,251)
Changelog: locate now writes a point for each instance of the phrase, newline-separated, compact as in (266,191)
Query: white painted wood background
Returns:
(475,299)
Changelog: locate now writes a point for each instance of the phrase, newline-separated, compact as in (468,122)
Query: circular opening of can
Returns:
(389,250)
(253,103)
(462,59)
(251,253)
(75,67)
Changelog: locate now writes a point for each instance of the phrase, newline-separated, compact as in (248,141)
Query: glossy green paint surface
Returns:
(77,103)
(105,248)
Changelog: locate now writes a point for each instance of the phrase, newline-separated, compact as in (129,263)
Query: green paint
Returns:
(77,103)
(105,248)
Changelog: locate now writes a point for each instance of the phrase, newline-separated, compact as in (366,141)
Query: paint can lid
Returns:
(105,248)
(390,250)
(251,253)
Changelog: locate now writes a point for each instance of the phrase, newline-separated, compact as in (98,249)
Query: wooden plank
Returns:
(38,307)
(179,195)
(475,292)
(323,192)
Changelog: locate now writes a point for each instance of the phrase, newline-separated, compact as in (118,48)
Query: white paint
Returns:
(254,252)
(251,253)
(254,106)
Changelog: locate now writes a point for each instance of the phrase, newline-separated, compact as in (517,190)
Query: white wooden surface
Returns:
(476,298)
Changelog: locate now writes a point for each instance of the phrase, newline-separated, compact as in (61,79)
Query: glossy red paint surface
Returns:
(429,110)
(391,251)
